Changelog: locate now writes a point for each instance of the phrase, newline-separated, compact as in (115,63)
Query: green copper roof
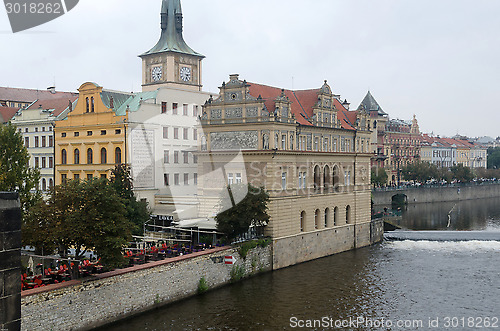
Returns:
(171,39)
(119,98)
(134,102)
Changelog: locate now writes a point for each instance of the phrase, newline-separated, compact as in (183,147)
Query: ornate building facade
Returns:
(306,150)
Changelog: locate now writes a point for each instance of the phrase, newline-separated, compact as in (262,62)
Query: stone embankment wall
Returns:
(438,194)
(112,296)
(308,246)
(10,262)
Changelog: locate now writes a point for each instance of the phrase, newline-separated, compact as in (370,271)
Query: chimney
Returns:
(52,89)
(234,77)
(346,104)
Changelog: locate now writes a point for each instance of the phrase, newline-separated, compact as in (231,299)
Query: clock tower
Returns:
(171,62)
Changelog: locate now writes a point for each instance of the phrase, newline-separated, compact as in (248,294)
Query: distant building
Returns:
(36,124)
(20,97)
(6,114)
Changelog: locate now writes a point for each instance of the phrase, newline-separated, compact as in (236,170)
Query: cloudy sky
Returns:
(439,59)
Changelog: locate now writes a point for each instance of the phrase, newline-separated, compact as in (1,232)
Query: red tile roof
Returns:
(303,102)
(56,105)
(6,113)
(29,95)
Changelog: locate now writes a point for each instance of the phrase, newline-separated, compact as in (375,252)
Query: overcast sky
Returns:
(439,59)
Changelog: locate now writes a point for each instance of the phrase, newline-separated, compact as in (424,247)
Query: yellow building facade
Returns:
(91,140)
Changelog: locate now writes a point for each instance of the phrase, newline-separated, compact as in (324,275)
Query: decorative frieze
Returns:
(234,112)
(234,140)
(215,114)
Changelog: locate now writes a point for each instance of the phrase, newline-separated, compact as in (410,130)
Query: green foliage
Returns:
(249,245)
(420,172)
(237,273)
(252,210)
(461,173)
(85,215)
(202,285)
(487,173)
(378,176)
(137,211)
(494,158)
(15,173)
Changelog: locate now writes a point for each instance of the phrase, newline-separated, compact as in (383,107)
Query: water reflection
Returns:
(463,215)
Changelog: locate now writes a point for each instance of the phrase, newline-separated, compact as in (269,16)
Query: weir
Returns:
(443,235)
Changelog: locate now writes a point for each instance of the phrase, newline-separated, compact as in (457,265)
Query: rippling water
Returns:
(397,280)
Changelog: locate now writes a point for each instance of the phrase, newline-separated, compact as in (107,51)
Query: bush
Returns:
(237,273)
(202,285)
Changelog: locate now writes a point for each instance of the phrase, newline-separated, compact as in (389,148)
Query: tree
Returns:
(379,176)
(137,211)
(420,172)
(251,211)
(85,215)
(494,158)
(461,173)
(15,172)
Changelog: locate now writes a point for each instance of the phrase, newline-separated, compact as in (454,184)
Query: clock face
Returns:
(185,74)
(156,74)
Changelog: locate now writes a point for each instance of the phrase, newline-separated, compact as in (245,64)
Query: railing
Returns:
(436,185)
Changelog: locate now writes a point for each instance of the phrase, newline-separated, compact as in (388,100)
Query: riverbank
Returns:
(429,194)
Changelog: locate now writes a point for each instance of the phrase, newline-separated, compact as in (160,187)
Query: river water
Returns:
(437,284)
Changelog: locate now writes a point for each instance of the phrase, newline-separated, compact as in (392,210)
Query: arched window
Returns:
(90,156)
(92,104)
(316,219)
(88,106)
(64,157)
(44,184)
(326,179)
(302,221)
(51,183)
(335,216)
(317,180)
(327,218)
(348,214)
(118,155)
(104,156)
(336,178)
(77,156)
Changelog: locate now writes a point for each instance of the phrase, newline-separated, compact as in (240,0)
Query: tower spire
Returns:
(171,39)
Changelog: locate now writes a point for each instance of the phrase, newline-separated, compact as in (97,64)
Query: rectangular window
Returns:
(36,141)
(176,156)
(43,129)
(176,133)
(76,176)
(237,178)
(89,133)
(44,162)
(230,179)
(195,159)
(26,130)
(166,155)
(283,180)
(89,176)
(63,178)
(163,107)
(283,142)
(36,129)
(176,179)
(195,134)
(185,110)
(50,129)
(118,131)
(77,134)
(195,110)
(174,108)
(63,134)
(165,132)
(186,179)
(44,142)
(300,180)
(195,179)
(104,176)
(36,162)
(51,141)
(185,156)
(51,162)
(103,132)
(185,134)
(165,180)
(26,142)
